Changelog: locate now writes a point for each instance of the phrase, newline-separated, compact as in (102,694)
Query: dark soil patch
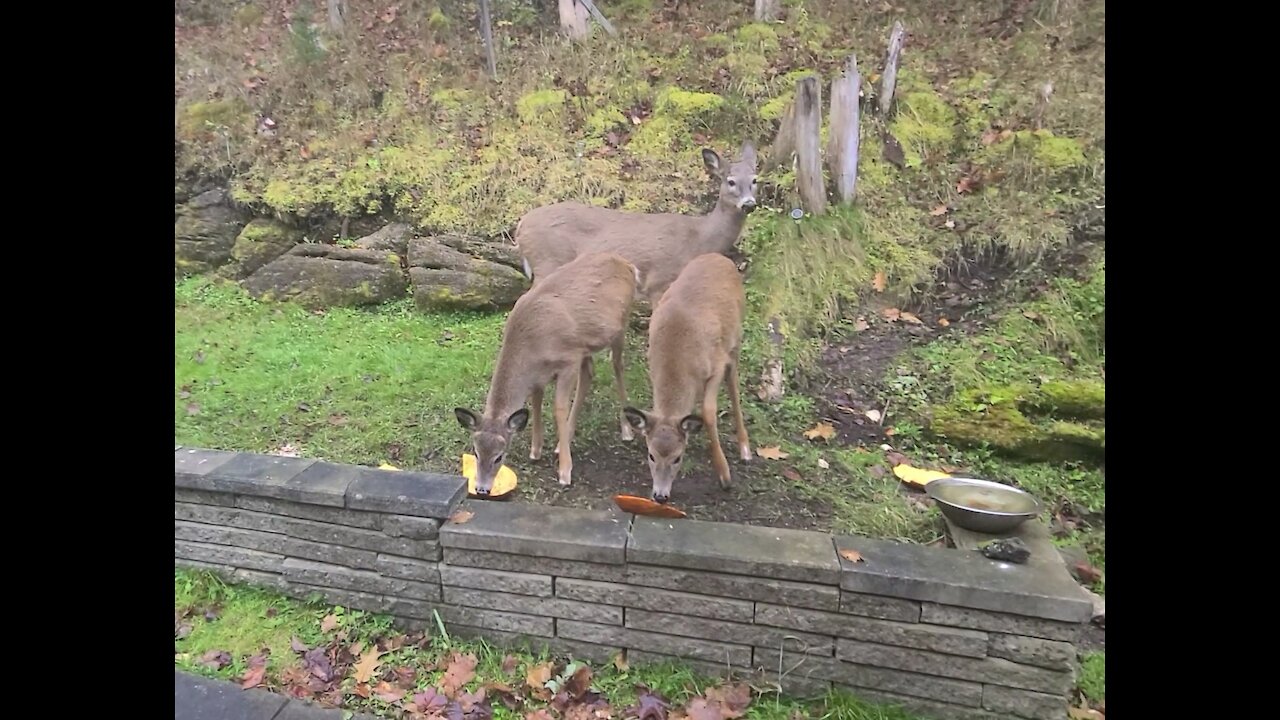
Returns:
(606,466)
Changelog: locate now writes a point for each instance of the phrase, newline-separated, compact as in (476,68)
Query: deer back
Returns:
(696,329)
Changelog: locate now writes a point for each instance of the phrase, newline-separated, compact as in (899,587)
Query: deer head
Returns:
(666,438)
(737,180)
(489,440)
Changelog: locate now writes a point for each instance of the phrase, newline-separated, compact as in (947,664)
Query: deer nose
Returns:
(748,206)
(661,499)
(482,492)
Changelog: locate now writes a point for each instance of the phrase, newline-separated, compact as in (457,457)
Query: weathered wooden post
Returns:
(889,80)
(766,10)
(842,143)
(808,133)
(486,30)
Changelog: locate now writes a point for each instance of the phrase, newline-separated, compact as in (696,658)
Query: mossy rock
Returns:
(204,231)
(320,276)
(488,286)
(1078,399)
(260,242)
(990,417)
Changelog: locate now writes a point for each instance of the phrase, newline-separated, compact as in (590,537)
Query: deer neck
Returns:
(508,390)
(719,230)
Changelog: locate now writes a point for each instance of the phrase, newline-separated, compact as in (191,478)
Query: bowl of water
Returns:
(982,505)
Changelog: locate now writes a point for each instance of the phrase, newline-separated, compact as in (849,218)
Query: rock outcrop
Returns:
(445,278)
(319,276)
(204,231)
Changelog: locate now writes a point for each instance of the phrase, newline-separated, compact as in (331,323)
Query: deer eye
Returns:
(677,460)
(498,460)
(733,184)
(753,181)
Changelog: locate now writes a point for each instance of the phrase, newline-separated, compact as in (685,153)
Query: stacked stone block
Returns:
(944,633)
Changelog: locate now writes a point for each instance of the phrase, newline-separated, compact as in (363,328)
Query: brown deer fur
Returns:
(552,333)
(695,336)
(658,244)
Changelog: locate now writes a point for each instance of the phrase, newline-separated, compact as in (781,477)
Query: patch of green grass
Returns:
(241,620)
(1093,676)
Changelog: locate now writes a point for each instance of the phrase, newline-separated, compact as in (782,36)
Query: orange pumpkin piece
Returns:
(645,506)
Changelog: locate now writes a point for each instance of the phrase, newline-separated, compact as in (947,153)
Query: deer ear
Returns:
(518,419)
(749,153)
(711,160)
(635,418)
(691,424)
(466,418)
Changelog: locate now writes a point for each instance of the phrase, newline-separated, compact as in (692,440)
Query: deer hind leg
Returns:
(744,444)
(565,382)
(586,376)
(535,437)
(713,435)
(620,384)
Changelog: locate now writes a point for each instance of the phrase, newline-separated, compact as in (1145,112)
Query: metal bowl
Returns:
(981,505)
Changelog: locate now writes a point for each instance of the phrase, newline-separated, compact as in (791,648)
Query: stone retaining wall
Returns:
(944,633)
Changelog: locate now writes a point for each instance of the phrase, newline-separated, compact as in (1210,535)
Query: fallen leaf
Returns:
(916,476)
(461,670)
(940,210)
(896,458)
(821,430)
(703,709)
(257,669)
(649,706)
(509,664)
(1078,713)
(328,623)
(772,453)
(860,324)
(852,556)
(579,683)
(193,408)
(950,224)
(388,693)
(890,431)
(461,516)
(387,466)
(1031,315)
(368,664)
(1086,573)
(911,318)
(536,678)
(733,699)
(362,689)
(296,645)
(823,464)
(428,701)
(337,419)
(539,714)
(792,475)
(964,185)
(879,281)
(891,314)
(620,661)
(215,659)
(873,415)
(439,50)
(943,322)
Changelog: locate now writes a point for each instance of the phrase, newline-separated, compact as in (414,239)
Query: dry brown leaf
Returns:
(537,678)
(964,185)
(387,692)
(461,670)
(891,314)
(579,683)
(821,430)
(890,431)
(1086,573)
(950,224)
(860,324)
(879,281)
(368,664)
(733,699)
(328,623)
(852,556)
(1079,713)
(792,475)
(362,689)
(873,415)
(773,452)
(940,210)
(911,318)
(539,714)
(943,322)
(509,664)
(461,516)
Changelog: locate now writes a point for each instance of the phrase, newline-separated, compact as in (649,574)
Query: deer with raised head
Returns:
(552,333)
(695,337)
(659,244)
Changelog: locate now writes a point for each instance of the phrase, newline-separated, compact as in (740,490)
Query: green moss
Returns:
(686,104)
(1040,148)
(201,118)
(438,21)
(603,120)
(248,16)
(924,125)
(774,109)
(541,106)
(1093,676)
(758,36)
(676,114)
(990,417)
(452,98)
(1084,399)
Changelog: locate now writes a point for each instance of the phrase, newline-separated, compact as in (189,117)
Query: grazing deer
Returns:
(552,332)
(658,244)
(695,336)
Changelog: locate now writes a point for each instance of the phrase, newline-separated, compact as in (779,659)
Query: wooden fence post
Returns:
(889,80)
(842,144)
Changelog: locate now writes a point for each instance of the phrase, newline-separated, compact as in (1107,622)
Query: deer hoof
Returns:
(535,454)
(566,480)
(745,452)
(726,482)
(627,435)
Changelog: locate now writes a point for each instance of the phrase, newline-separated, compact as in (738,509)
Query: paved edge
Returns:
(201,698)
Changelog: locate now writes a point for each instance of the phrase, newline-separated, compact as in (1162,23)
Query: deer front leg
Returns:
(586,376)
(535,439)
(620,384)
(565,382)
(744,444)
(709,419)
